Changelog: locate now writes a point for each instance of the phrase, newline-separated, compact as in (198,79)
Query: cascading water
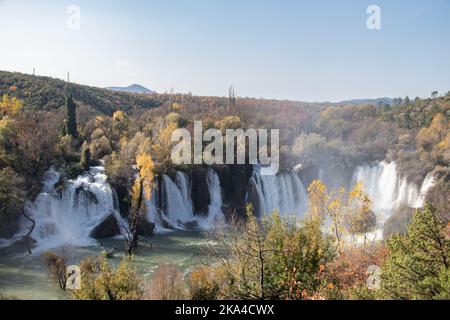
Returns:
(388,190)
(284,192)
(215,214)
(177,196)
(178,210)
(67,216)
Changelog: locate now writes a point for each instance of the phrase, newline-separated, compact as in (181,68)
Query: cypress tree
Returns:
(71,118)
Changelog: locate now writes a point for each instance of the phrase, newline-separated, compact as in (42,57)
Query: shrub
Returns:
(167,284)
(57,267)
(100,281)
(202,284)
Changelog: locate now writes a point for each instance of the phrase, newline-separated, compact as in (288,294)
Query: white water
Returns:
(215,213)
(284,192)
(177,196)
(388,190)
(179,209)
(69,216)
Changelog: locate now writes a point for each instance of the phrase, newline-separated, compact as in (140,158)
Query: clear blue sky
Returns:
(304,50)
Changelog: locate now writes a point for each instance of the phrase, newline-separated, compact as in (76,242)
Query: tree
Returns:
(100,281)
(37,135)
(162,148)
(167,283)
(273,258)
(141,191)
(57,268)
(348,211)
(202,284)
(232,98)
(360,219)
(85,161)
(71,117)
(9,106)
(418,263)
(12,199)
(120,122)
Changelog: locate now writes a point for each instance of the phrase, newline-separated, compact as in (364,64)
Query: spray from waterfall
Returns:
(67,214)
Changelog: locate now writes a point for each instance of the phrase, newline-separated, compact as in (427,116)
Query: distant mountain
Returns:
(135,88)
(376,101)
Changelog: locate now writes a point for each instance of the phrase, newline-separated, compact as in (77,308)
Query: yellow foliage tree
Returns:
(9,106)
(99,281)
(141,191)
(177,107)
(162,147)
(348,211)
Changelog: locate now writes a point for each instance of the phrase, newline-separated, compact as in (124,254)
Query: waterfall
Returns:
(177,196)
(215,214)
(68,214)
(427,184)
(177,211)
(284,192)
(388,190)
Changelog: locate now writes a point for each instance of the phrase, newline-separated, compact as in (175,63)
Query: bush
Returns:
(57,267)
(167,284)
(202,284)
(100,147)
(99,281)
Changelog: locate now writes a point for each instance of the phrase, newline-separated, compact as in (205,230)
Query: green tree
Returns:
(418,263)
(12,198)
(71,117)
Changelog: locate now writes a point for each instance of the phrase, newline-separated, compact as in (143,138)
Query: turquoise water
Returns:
(26,276)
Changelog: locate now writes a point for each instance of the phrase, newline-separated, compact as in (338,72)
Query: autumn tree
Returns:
(273,258)
(120,122)
(85,161)
(349,212)
(167,284)
(360,219)
(9,106)
(37,136)
(162,148)
(141,191)
(101,281)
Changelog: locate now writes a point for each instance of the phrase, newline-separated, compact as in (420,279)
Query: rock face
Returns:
(106,229)
(9,227)
(235,182)
(200,191)
(145,228)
